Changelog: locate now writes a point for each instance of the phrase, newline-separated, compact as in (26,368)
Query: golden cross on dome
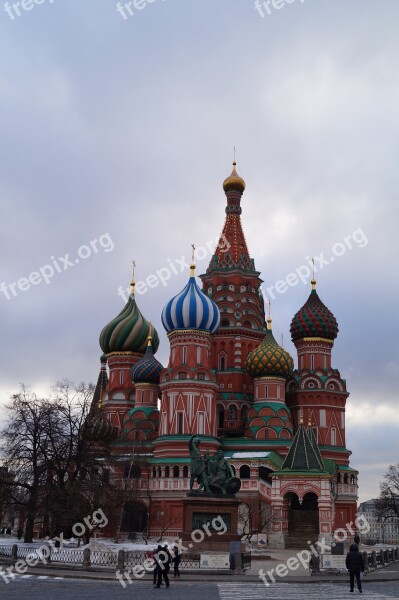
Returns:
(313,282)
(234,154)
(269,319)
(192,255)
(133,283)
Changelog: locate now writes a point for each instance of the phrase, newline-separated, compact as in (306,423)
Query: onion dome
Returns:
(314,319)
(140,424)
(269,359)
(191,309)
(148,369)
(129,331)
(100,430)
(234,181)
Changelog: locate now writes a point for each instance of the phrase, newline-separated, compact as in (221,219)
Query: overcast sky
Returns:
(120,128)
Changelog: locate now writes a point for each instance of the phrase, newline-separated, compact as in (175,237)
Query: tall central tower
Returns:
(233,283)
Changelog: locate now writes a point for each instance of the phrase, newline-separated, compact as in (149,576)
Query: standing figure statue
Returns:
(198,472)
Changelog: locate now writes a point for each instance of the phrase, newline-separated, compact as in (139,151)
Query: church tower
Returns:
(317,391)
(124,342)
(188,384)
(233,283)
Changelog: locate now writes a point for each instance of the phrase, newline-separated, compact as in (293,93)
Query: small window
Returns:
(182,375)
(222,363)
(201,376)
(167,472)
(176,471)
(312,362)
(184,355)
(322,417)
(180,423)
(185,471)
(333,436)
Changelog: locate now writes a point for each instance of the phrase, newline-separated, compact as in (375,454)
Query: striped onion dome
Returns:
(269,359)
(191,309)
(129,331)
(314,319)
(100,429)
(148,369)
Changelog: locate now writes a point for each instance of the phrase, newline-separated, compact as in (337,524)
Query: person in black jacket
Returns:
(355,565)
(176,563)
(162,559)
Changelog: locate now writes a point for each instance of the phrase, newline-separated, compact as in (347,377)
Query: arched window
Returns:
(184,355)
(167,471)
(232,412)
(244,413)
(225,323)
(245,472)
(185,471)
(222,363)
(176,471)
(154,472)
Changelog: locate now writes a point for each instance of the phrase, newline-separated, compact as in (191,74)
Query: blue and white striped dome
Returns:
(191,309)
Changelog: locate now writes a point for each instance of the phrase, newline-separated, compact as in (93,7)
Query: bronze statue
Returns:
(213,473)
(197,465)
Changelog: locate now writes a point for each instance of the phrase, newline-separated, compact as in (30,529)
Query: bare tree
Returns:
(23,440)
(56,474)
(254,516)
(388,503)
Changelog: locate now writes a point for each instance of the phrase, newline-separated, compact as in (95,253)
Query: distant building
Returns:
(384,527)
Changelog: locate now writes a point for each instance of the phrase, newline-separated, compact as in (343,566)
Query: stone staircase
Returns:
(303,526)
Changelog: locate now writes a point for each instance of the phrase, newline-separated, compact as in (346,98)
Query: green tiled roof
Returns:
(304,454)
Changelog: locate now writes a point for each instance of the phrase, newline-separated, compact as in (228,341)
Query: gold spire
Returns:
(192,266)
(313,282)
(301,417)
(133,283)
(149,336)
(100,403)
(269,319)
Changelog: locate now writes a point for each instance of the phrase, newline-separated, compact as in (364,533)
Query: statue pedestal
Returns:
(210,523)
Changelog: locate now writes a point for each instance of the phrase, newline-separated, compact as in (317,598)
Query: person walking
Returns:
(176,563)
(355,565)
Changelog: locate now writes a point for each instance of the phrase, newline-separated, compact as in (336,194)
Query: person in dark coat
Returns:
(162,559)
(176,563)
(355,565)
(357,539)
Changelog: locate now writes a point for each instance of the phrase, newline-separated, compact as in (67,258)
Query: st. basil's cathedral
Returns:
(229,382)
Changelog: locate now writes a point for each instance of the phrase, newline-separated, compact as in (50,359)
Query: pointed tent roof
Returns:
(304,454)
(232,250)
(101,385)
